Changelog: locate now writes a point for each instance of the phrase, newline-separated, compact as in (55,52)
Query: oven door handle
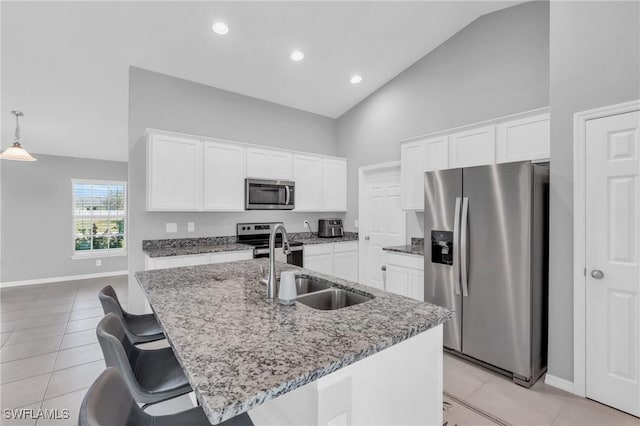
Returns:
(288,195)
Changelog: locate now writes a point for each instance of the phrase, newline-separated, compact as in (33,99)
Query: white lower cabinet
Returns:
(195,259)
(405,275)
(337,259)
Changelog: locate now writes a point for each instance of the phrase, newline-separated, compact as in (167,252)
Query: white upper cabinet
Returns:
(519,137)
(437,153)
(191,173)
(475,147)
(334,178)
(524,139)
(307,175)
(413,166)
(269,164)
(224,173)
(174,173)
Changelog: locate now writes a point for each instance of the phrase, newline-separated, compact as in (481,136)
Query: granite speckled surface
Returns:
(416,247)
(312,238)
(239,350)
(197,249)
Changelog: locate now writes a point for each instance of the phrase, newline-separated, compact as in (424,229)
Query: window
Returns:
(99,218)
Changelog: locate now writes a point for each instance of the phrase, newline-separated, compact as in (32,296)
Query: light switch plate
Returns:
(191,227)
(172,227)
(356,223)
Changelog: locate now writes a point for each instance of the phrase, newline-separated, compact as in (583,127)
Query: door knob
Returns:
(597,274)
(367,238)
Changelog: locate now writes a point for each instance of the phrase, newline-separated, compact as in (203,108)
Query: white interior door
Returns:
(612,257)
(382,221)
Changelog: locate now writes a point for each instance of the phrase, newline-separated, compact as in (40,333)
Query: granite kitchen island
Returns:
(378,362)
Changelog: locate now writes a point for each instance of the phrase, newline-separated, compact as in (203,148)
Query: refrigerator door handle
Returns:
(463,247)
(456,246)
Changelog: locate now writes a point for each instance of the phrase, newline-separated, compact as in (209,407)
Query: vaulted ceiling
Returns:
(65,64)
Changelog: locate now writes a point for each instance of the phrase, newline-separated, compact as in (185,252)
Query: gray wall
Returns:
(595,61)
(168,103)
(497,65)
(37,217)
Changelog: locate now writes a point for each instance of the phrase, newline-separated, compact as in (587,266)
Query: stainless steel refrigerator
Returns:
(488,260)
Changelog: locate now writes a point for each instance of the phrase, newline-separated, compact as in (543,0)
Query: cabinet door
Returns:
(174,173)
(397,280)
(258,163)
(281,165)
(475,147)
(308,178)
(525,139)
(322,263)
(223,176)
(334,176)
(415,285)
(412,164)
(345,265)
(437,154)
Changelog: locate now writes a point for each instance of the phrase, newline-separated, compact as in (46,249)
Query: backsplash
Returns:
(416,241)
(187,242)
(230,239)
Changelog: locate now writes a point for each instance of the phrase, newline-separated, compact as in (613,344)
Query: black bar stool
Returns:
(152,375)
(140,328)
(108,402)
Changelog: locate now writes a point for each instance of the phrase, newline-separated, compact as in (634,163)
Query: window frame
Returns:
(98,253)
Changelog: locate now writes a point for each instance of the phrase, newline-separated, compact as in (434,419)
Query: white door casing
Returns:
(382,220)
(612,261)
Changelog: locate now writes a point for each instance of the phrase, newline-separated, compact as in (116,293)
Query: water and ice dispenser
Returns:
(442,247)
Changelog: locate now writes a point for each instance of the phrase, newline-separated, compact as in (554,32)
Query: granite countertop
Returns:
(416,247)
(312,238)
(239,350)
(184,251)
(407,249)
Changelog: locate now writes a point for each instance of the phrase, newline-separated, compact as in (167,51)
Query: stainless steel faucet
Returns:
(270,279)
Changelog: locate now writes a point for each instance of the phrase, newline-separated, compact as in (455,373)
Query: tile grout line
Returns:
(75,295)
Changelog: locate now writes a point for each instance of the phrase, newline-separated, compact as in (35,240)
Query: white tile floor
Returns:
(49,356)
(497,396)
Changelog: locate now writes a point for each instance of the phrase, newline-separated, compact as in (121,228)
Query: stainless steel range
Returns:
(257,235)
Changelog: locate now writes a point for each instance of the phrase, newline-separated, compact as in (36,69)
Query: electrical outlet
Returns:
(172,227)
(306,224)
(98,262)
(191,227)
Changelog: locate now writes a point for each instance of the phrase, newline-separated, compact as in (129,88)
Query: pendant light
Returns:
(16,151)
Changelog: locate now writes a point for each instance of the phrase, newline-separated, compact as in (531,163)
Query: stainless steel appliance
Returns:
(257,235)
(328,228)
(264,194)
(488,260)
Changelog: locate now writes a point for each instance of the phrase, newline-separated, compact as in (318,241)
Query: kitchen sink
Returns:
(332,299)
(306,284)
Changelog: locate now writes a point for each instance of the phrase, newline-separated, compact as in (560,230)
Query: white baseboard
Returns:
(61,279)
(559,383)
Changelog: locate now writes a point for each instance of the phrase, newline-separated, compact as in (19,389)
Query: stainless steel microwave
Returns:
(262,194)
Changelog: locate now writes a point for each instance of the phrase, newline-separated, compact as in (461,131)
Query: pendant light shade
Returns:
(16,152)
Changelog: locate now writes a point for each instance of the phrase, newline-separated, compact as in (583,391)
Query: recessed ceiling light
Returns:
(297,55)
(356,79)
(220,28)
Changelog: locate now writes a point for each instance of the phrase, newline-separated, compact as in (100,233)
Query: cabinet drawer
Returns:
(177,261)
(413,261)
(345,246)
(318,249)
(230,256)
